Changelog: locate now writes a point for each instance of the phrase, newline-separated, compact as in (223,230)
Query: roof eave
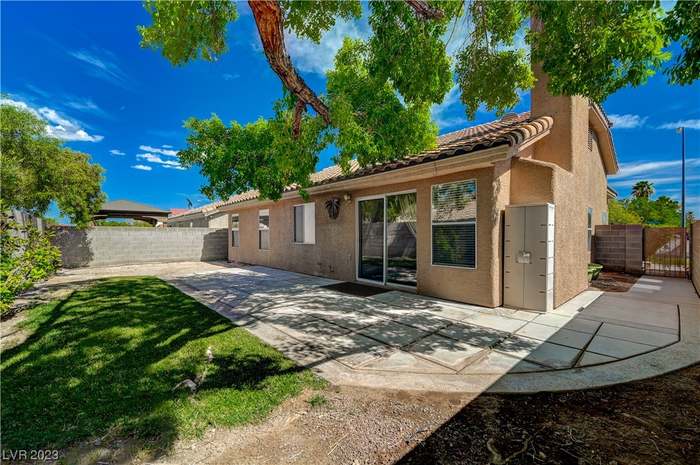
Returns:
(602,128)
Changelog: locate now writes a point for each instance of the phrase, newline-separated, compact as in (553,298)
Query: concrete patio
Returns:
(401,340)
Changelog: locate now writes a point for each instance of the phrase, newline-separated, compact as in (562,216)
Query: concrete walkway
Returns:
(403,341)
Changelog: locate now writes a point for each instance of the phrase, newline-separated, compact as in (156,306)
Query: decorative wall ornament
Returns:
(333,207)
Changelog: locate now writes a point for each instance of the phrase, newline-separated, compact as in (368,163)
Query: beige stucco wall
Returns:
(578,182)
(334,253)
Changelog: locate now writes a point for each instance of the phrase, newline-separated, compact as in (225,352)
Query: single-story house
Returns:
(437,223)
(203,217)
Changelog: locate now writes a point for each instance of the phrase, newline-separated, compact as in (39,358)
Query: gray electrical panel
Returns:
(528,280)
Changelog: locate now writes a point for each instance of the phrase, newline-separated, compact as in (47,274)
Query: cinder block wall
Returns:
(619,247)
(107,245)
(695,255)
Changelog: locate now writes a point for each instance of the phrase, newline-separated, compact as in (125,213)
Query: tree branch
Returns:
(425,11)
(299,109)
(268,18)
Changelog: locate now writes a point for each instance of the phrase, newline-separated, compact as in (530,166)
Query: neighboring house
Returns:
(202,217)
(434,222)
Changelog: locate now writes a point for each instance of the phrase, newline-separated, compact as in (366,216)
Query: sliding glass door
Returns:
(371,237)
(387,239)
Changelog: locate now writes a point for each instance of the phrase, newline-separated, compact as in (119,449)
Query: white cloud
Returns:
(653,167)
(142,167)
(116,152)
(656,181)
(686,123)
(439,112)
(152,158)
(318,58)
(230,77)
(165,150)
(86,105)
(627,121)
(97,64)
(59,126)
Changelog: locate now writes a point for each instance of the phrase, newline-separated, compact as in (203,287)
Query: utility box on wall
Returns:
(528,280)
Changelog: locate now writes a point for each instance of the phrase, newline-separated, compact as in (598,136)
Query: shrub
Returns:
(26,256)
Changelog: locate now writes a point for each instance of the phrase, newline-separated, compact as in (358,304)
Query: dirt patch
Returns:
(614,282)
(351,426)
(655,421)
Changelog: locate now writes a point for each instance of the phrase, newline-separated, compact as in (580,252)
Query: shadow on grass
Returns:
(103,364)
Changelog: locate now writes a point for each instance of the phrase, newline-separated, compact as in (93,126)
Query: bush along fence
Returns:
(26,256)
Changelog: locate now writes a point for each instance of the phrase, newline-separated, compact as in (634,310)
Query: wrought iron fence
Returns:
(666,252)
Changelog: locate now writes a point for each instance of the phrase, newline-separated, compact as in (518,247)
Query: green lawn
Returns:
(105,361)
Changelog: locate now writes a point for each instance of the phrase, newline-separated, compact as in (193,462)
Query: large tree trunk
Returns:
(268,18)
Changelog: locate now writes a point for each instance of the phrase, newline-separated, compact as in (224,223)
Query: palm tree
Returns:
(643,189)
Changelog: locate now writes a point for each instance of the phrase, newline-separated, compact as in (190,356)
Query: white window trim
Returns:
(589,229)
(474,222)
(305,241)
(237,228)
(261,213)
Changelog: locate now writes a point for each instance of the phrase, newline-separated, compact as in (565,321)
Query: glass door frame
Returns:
(383,282)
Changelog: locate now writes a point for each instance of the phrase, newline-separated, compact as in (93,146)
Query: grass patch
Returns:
(105,361)
(317,400)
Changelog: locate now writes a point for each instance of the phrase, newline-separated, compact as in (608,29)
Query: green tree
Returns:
(663,211)
(38,169)
(378,95)
(618,213)
(643,189)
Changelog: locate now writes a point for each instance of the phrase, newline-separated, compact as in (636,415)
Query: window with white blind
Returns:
(453,224)
(235,237)
(264,229)
(305,223)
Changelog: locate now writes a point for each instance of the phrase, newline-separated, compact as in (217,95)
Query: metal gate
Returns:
(666,252)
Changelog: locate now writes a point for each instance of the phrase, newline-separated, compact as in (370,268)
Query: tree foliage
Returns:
(38,169)
(662,211)
(683,24)
(378,95)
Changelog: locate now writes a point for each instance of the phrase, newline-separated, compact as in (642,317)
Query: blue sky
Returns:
(80,67)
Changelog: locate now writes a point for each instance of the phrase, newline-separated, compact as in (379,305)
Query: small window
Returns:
(305,223)
(264,229)
(590,227)
(235,237)
(604,218)
(453,227)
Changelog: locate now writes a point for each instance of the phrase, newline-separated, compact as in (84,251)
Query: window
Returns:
(604,218)
(264,229)
(235,238)
(453,216)
(305,223)
(590,227)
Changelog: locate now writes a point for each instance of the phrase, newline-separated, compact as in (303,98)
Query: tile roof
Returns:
(511,130)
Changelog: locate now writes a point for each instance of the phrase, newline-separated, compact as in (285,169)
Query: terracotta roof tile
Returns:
(511,130)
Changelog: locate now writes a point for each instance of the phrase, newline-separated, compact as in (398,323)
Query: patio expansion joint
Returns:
(585,347)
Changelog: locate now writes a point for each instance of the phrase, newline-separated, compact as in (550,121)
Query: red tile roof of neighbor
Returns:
(512,129)
(178,211)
